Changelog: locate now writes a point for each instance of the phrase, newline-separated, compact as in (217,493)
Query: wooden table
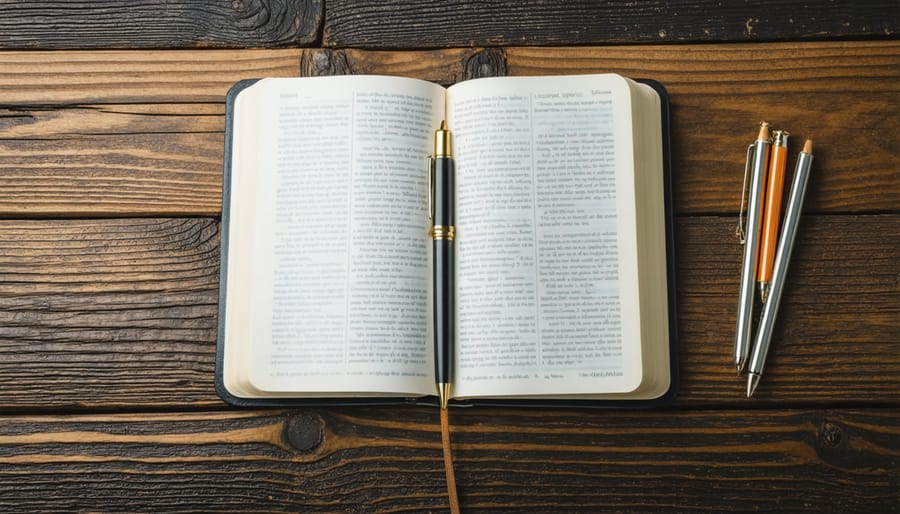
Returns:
(111,120)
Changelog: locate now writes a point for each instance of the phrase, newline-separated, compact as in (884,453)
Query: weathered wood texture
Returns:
(105,24)
(99,24)
(101,314)
(112,320)
(398,24)
(125,133)
(64,79)
(389,460)
(121,313)
(103,133)
(842,298)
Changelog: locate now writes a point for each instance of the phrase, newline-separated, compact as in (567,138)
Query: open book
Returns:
(563,233)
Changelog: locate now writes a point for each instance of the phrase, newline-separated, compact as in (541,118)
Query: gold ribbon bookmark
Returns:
(448,462)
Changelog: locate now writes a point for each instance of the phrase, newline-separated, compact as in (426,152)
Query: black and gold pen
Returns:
(441,212)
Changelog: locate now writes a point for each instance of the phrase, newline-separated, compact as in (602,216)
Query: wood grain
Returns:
(397,24)
(81,121)
(112,110)
(442,66)
(104,24)
(104,133)
(58,79)
(140,133)
(842,298)
(121,313)
(136,174)
(389,459)
(100,314)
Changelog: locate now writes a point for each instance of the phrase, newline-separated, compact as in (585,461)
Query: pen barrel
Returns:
(771,217)
(444,266)
(748,269)
(444,308)
(782,259)
(444,188)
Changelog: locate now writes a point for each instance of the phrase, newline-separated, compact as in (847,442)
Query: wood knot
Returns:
(305,432)
(831,435)
(489,62)
(322,62)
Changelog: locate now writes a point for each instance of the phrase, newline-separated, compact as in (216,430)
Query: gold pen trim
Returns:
(444,390)
(443,141)
(440,232)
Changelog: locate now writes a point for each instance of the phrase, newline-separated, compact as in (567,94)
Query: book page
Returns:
(340,276)
(545,231)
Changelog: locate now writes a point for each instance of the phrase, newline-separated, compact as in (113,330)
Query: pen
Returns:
(748,270)
(441,211)
(782,257)
(772,211)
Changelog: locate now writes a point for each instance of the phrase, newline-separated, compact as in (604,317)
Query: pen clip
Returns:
(741,230)
(429,184)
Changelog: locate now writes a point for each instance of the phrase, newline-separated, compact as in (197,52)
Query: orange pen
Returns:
(772,211)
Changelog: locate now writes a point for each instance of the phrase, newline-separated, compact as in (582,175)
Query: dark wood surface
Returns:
(103,24)
(448,23)
(111,119)
(366,459)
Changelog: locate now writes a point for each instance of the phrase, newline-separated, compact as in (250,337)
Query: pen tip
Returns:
(764,133)
(752,382)
(739,367)
(443,125)
(443,394)
(807,146)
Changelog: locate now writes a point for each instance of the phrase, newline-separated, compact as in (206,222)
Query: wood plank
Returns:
(46,79)
(147,24)
(119,313)
(389,459)
(152,173)
(73,124)
(396,24)
(80,121)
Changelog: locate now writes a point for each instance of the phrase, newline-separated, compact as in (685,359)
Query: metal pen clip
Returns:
(741,230)
(429,183)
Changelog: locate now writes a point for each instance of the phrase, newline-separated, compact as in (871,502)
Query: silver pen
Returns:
(748,270)
(779,272)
